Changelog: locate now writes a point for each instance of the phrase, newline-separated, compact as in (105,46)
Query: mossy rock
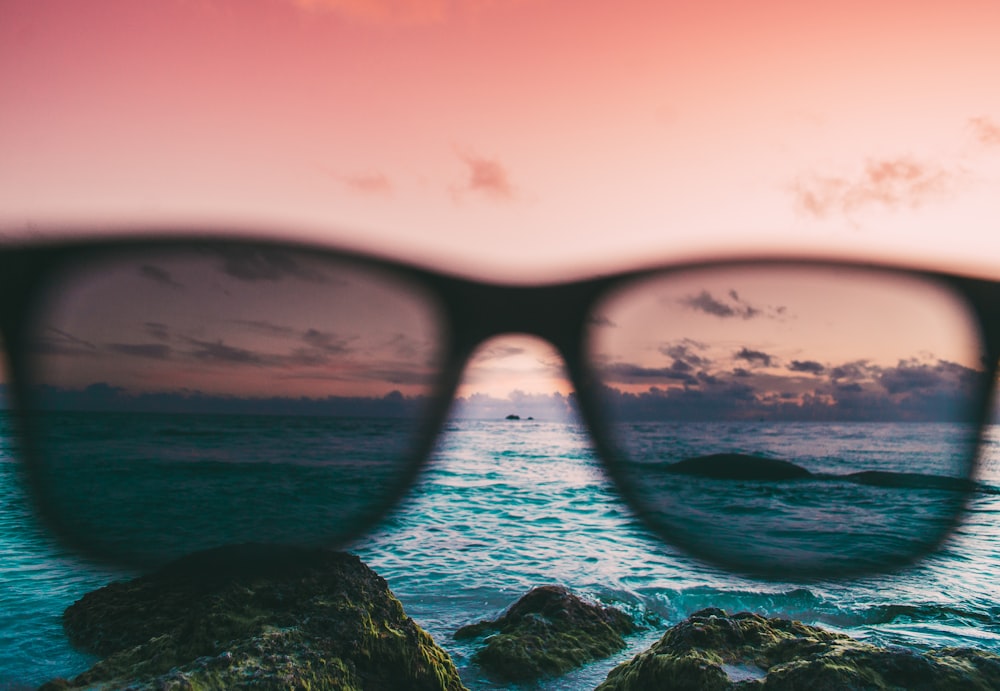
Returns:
(547,632)
(713,651)
(255,617)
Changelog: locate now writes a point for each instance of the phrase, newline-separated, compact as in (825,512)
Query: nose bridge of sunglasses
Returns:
(515,375)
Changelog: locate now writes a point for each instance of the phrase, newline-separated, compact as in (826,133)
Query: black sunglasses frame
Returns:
(473,311)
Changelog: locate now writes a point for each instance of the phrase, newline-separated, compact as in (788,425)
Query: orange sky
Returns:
(523,139)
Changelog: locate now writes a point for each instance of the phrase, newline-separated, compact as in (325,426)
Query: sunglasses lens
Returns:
(185,399)
(792,421)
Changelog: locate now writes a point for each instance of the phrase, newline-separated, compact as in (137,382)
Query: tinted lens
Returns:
(792,421)
(185,399)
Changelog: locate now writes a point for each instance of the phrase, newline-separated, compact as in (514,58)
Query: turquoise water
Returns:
(503,507)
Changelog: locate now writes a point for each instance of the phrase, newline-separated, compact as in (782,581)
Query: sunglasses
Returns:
(780,418)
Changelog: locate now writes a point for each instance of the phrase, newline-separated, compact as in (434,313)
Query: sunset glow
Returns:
(525,140)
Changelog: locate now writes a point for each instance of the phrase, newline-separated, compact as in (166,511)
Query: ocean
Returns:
(504,506)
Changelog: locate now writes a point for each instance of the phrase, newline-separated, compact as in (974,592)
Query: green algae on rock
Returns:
(255,617)
(712,651)
(547,632)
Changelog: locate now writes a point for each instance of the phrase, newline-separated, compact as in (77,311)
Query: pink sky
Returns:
(522,139)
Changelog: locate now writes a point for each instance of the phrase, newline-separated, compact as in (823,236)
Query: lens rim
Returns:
(43,269)
(979,297)
(473,311)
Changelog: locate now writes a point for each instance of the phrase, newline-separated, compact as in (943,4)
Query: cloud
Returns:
(158,275)
(150,351)
(915,390)
(486,176)
(754,357)
(373,184)
(499,352)
(851,371)
(325,342)
(889,183)
(158,330)
(217,351)
(809,366)
(251,264)
(55,341)
(729,306)
(682,352)
(911,376)
(985,130)
(627,373)
(263,326)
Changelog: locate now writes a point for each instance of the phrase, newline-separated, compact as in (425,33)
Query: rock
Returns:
(255,617)
(714,651)
(736,466)
(547,632)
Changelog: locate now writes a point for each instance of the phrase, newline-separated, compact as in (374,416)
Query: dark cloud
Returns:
(326,342)
(730,306)
(150,351)
(253,264)
(889,183)
(754,357)
(912,390)
(406,347)
(809,366)
(911,376)
(851,371)
(157,330)
(486,176)
(684,351)
(625,373)
(158,275)
(217,351)
(985,130)
(266,327)
(681,366)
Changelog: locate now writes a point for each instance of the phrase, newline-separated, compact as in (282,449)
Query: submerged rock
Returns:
(255,617)
(547,632)
(714,651)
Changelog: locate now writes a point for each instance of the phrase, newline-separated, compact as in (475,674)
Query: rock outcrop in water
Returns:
(712,651)
(737,466)
(547,632)
(254,617)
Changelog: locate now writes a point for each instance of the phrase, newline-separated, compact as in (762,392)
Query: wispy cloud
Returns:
(372,184)
(986,130)
(485,176)
(499,352)
(252,264)
(889,183)
(149,351)
(158,275)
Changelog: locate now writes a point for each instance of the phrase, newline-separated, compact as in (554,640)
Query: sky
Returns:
(522,140)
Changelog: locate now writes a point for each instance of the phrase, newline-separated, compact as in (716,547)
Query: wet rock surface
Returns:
(255,617)
(714,651)
(546,633)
